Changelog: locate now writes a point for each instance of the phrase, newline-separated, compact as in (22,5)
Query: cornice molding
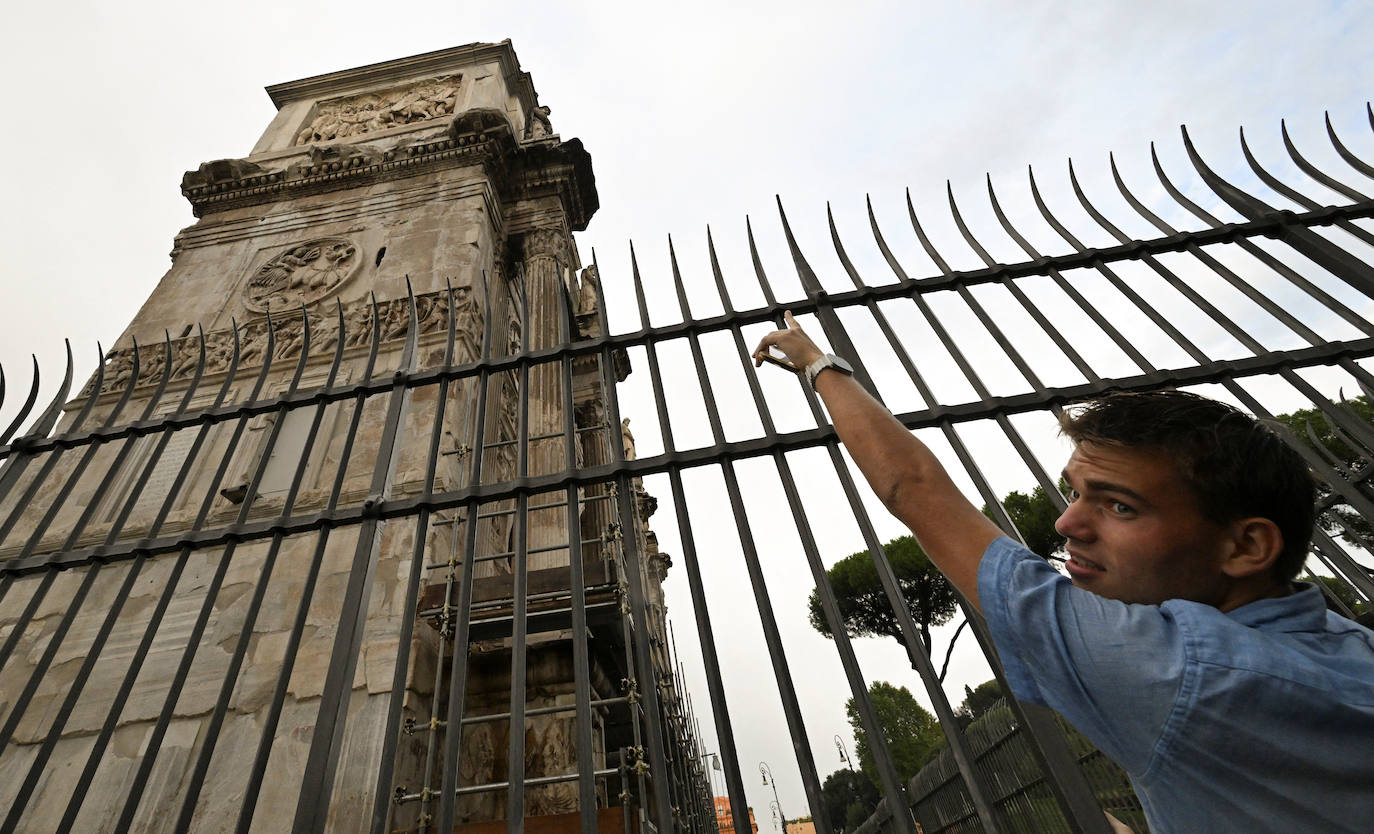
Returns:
(401,69)
(227,184)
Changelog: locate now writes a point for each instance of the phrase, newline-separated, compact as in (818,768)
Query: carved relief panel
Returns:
(341,118)
(303,274)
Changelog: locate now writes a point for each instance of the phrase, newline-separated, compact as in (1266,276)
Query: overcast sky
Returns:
(694,114)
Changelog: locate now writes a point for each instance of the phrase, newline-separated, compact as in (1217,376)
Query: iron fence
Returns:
(310,568)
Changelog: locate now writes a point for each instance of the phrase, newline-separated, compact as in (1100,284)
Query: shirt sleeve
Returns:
(1115,671)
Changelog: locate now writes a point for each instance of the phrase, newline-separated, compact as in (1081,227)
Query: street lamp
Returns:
(767,773)
(777,811)
(844,753)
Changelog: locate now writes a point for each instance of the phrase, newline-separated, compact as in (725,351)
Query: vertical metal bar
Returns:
(458,677)
(21,798)
(312,812)
(217,715)
(801,746)
(633,575)
(386,766)
(515,761)
(154,742)
(586,783)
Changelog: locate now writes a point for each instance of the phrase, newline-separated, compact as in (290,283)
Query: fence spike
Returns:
(758,265)
(44,424)
(128,389)
(25,408)
(166,377)
(1315,173)
(716,274)
(1344,152)
(1045,212)
(839,249)
(235,356)
(1152,218)
(305,353)
(1092,211)
(810,283)
(940,262)
(1006,223)
(338,346)
(892,263)
(963,227)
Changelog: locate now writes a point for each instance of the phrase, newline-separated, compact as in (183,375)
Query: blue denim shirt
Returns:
(1257,719)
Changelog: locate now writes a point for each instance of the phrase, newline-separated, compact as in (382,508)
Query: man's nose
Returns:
(1073,522)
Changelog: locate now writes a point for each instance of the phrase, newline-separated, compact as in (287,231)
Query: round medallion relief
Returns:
(303,274)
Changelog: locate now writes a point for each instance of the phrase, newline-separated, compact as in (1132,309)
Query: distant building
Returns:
(725,821)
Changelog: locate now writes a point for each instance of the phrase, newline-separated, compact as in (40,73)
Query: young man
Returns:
(1181,645)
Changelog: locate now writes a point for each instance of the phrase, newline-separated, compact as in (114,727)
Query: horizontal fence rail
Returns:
(406,580)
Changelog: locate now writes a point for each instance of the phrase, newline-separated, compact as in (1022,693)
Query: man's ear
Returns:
(1257,543)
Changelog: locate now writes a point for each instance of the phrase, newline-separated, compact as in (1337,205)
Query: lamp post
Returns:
(844,753)
(777,812)
(767,773)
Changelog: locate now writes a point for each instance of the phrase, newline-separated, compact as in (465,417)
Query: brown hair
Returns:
(1237,466)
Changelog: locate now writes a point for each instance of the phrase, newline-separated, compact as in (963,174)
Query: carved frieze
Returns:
(303,274)
(341,118)
(393,317)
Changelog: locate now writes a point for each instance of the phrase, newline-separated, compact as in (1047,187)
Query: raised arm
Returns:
(903,472)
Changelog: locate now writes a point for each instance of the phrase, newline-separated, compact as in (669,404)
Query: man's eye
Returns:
(1122,509)
(1071,494)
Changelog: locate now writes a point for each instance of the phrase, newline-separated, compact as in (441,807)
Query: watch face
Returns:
(842,365)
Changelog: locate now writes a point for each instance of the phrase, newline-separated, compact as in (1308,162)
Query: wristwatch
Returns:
(829,360)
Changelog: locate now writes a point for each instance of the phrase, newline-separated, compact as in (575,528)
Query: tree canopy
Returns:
(1330,444)
(849,798)
(978,700)
(863,602)
(913,734)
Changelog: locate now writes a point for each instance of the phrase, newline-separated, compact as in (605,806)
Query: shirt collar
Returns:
(1302,610)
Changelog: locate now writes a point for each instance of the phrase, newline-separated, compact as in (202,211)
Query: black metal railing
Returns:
(463,493)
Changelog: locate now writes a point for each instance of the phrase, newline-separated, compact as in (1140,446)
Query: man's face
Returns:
(1135,531)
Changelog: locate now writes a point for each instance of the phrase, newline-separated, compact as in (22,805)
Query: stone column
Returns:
(546,262)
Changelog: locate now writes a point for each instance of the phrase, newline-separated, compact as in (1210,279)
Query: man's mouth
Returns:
(1080,566)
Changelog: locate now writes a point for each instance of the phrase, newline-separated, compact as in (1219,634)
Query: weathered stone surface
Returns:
(425,173)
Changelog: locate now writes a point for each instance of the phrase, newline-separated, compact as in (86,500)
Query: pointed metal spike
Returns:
(721,289)
(1331,458)
(1152,218)
(964,229)
(1270,180)
(45,423)
(767,288)
(929,248)
(810,283)
(304,353)
(25,408)
(96,387)
(1345,153)
(1313,171)
(882,244)
(1049,216)
(839,249)
(1196,210)
(156,396)
(685,307)
(1092,211)
(1006,223)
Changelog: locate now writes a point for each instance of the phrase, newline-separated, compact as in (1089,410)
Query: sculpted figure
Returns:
(186,356)
(539,125)
(627,439)
(358,324)
(586,292)
(468,323)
